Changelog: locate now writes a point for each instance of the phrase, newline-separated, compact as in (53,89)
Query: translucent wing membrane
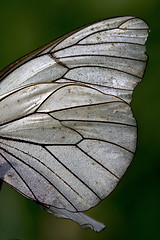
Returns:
(67,132)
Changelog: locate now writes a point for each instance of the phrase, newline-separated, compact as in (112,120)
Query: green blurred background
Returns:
(132,211)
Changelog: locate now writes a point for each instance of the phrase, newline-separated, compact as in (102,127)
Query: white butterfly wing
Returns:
(67,133)
(109,55)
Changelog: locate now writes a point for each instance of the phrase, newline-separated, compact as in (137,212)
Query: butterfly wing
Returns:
(67,132)
(91,55)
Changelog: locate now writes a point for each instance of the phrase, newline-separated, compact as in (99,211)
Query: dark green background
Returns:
(132,211)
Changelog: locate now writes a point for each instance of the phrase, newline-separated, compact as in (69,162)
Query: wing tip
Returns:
(135,22)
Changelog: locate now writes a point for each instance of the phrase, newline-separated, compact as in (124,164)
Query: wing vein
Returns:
(73,174)
(19,159)
(101,140)
(18,173)
(102,55)
(97,162)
